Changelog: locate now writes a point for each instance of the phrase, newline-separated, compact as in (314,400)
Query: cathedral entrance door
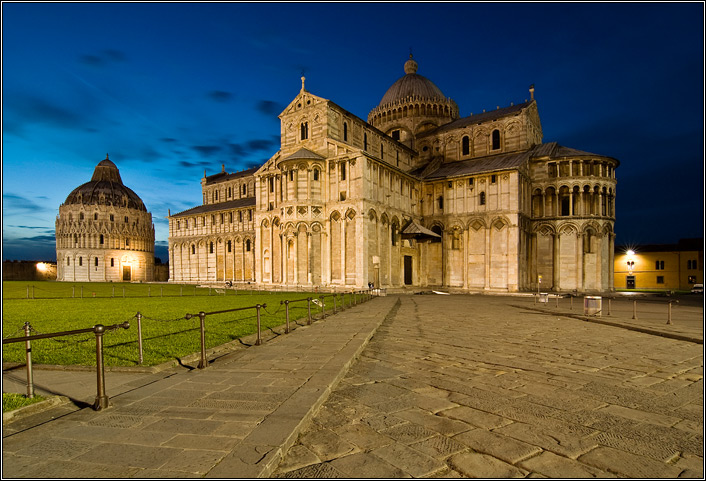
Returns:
(408,270)
(127,273)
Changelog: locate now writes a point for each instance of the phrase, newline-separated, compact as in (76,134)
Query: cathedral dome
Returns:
(412,85)
(106,188)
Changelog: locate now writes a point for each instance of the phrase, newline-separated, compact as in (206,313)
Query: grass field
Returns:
(166,333)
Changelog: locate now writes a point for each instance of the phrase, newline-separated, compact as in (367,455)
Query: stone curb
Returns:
(23,412)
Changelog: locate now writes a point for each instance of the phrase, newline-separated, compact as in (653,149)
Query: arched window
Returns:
(436,230)
(304,130)
(247,245)
(101,239)
(465,145)
(193,249)
(345,131)
(96,262)
(441,202)
(210,248)
(343,171)
(496,139)
(316,174)
(229,246)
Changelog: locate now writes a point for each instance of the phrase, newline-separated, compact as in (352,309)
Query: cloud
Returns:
(220,96)
(31,109)
(189,165)
(102,58)
(206,150)
(18,203)
(269,107)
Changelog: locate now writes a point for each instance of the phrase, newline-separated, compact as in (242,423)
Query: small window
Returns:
(343,171)
(396,135)
(342,196)
(496,139)
(660,279)
(222,218)
(101,239)
(127,242)
(304,131)
(382,151)
(112,262)
(193,249)
(291,176)
(178,225)
(441,202)
(68,261)
(470,182)
(659,265)
(229,246)
(95,216)
(345,131)
(126,219)
(247,245)
(365,141)
(465,145)
(316,175)
(481,198)
(493,178)
(112,218)
(272,184)
(230,215)
(80,261)
(240,216)
(249,214)
(96,262)
(210,248)
(80,216)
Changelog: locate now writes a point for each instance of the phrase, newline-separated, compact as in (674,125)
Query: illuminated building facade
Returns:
(660,266)
(104,232)
(415,197)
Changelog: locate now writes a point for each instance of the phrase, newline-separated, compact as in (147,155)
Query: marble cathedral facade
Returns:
(415,197)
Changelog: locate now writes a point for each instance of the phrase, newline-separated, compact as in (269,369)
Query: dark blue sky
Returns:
(172,89)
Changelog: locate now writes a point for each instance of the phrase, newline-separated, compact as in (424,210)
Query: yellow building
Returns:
(660,266)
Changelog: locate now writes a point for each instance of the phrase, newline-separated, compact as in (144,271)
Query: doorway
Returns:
(127,273)
(407,270)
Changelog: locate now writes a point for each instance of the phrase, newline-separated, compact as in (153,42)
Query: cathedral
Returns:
(416,197)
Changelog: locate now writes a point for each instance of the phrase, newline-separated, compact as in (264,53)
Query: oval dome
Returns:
(412,85)
(106,188)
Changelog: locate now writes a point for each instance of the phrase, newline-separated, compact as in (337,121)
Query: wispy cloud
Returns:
(219,96)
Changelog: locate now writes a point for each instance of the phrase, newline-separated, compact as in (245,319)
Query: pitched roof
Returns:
(223,176)
(231,204)
(413,229)
(478,118)
(304,154)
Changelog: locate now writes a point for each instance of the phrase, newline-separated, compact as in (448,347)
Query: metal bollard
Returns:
(204,362)
(101,399)
(308,307)
(634,309)
(139,335)
(28,351)
(323,311)
(609,306)
(334,303)
(259,338)
(286,310)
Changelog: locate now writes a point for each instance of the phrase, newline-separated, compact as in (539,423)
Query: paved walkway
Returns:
(471,386)
(234,419)
(443,386)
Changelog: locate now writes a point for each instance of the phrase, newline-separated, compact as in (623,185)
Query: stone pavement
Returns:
(443,386)
(477,386)
(235,418)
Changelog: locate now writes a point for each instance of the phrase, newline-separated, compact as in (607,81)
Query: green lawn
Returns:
(12,401)
(166,334)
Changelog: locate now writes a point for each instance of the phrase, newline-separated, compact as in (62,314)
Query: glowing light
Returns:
(630,252)
(42,267)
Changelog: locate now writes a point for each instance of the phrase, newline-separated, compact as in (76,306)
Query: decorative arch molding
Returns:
(350,214)
(477,224)
(568,229)
(384,219)
(335,216)
(544,229)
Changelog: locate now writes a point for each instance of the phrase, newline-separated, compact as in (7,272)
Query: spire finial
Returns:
(106,157)
(303,79)
(531,90)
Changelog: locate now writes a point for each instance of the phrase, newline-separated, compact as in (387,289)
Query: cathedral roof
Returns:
(231,204)
(498,162)
(478,118)
(223,176)
(412,85)
(106,188)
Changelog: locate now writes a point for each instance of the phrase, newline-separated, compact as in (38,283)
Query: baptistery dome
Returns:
(106,188)
(104,232)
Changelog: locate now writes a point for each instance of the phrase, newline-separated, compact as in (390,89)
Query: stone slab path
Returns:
(490,387)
